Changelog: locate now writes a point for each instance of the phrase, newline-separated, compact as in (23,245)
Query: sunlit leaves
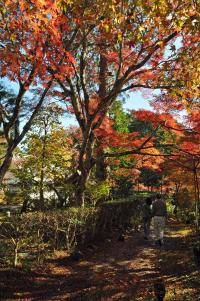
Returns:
(95,49)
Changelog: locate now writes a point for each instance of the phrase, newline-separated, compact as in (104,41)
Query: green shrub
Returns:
(123,186)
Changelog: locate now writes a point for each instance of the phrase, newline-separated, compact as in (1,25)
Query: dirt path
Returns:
(115,271)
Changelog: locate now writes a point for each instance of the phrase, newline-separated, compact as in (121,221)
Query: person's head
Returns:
(158,196)
(148,201)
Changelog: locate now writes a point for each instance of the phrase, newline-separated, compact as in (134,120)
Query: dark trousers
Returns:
(147,223)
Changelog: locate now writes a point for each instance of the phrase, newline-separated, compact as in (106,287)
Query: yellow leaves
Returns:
(67,2)
(117,20)
(180,24)
(161,44)
(107,28)
(113,8)
(119,37)
(64,4)
(151,151)
(141,28)
(13,37)
(3,10)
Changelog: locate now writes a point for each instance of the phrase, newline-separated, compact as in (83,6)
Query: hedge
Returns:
(35,235)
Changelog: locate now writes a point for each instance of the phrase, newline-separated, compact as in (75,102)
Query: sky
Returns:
(137,101)
(134,101)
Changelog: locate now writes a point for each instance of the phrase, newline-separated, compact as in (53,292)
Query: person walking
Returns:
(147,215)
(159,214)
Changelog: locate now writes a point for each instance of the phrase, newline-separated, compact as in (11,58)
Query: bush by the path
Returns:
(33,236)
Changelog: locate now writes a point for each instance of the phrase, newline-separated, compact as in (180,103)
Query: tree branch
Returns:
(29,122)
(75,103)
(148,87)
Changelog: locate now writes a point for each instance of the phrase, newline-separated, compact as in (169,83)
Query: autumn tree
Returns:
(46,160)
(129,52)
(96,51)
(182,163)
(26,30)
(188,159)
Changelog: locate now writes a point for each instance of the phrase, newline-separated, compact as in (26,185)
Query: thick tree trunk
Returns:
(61,200)
(85,164)
(5,166)
(80,193)
(82,178)
(101,166)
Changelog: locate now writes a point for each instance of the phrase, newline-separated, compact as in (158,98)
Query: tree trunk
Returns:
(41,205)
(15,263)
(196,192)
(41,197)
(101,166)
(81,182)
(5,166)
(24,206)
(61,200)
(80,194)
(85,164)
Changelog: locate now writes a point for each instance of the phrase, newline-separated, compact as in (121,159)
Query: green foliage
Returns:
(123,186)
(46,159)
(186,215)
(97,190)
(143,127)
(170,207)
(120,117)
(140,194)
(183,201)
(150,178)
(123,212)
(165,137)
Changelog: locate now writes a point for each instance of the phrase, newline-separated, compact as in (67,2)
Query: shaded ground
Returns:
(114,271)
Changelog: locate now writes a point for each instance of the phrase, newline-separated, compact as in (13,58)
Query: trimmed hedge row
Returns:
(35,235)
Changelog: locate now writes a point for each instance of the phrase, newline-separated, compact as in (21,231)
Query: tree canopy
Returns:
(89,52)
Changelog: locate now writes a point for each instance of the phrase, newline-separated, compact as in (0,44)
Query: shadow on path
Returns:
(116,271)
